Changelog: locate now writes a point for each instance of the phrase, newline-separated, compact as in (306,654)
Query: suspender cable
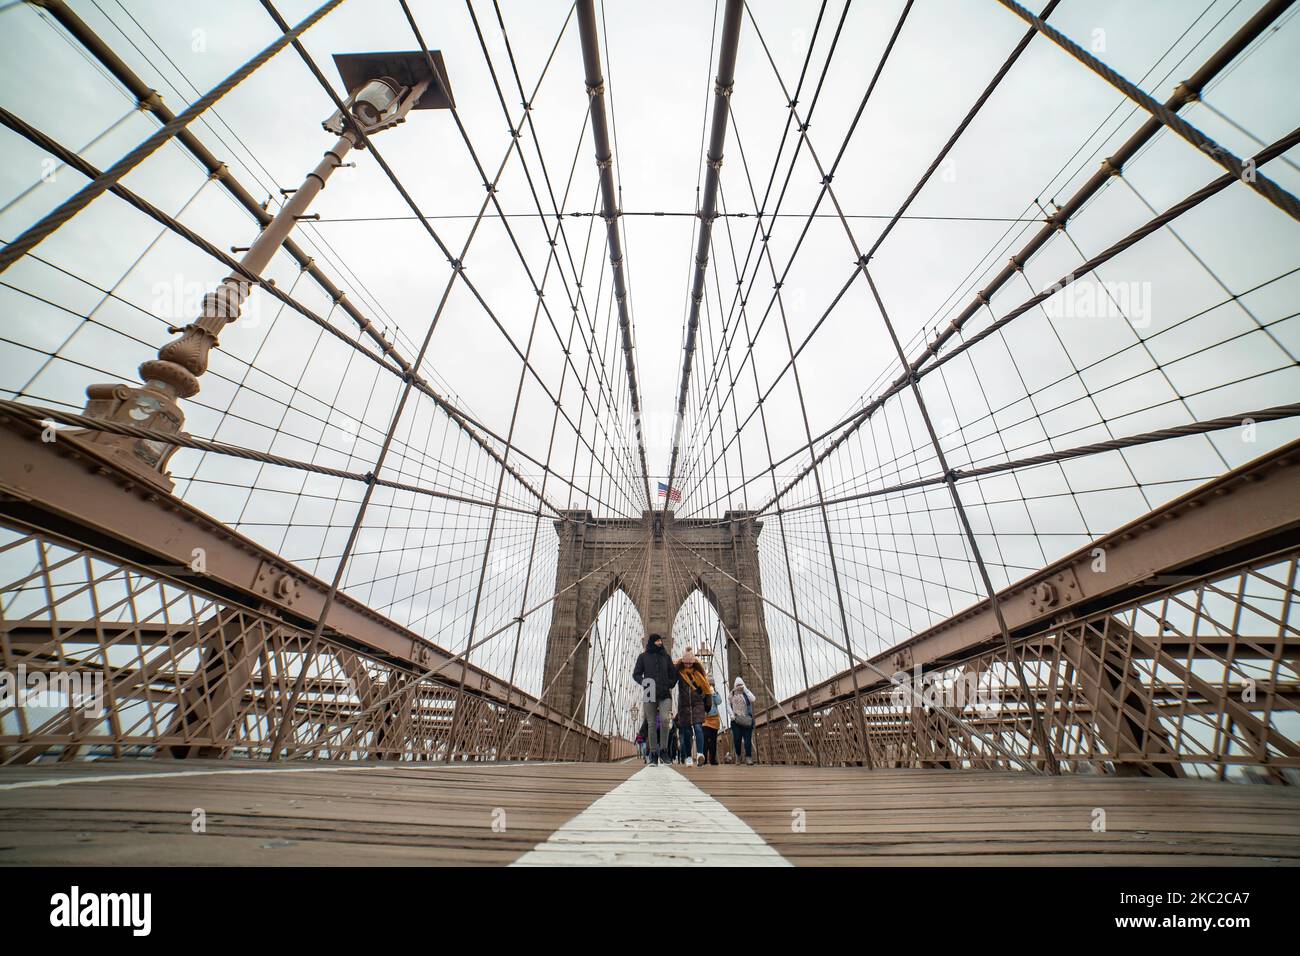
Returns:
(708,212)
(37,233)
(1187,91)
(609,210)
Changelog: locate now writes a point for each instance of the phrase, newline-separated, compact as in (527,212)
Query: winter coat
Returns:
(655,665)
(693,693)
(742,700)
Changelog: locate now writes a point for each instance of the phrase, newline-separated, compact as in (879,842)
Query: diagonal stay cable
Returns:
(456,265)
(917,369)
(543,217)
(458,270)
(516,130)
(1186,92)
(685,576)
(828,176)
(943,711)
(1274,413)
(111,176)
(148,99)
(38,413)
(473,428)
(1270,190)
(433,672)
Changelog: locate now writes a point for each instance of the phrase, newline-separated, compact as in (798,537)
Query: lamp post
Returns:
(382,89)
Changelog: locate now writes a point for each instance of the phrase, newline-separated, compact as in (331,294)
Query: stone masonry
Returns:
(658,574)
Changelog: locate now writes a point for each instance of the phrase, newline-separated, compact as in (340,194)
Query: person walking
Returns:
(712,724)
(693,695)
(641,747)
(742,719)
(656,676)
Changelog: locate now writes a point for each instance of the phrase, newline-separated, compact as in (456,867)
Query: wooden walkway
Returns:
(137,813)
(946,817)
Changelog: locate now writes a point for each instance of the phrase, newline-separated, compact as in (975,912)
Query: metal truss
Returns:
(169,669)
(1200,679)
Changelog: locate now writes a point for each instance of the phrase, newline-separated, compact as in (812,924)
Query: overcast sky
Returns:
(1056,379)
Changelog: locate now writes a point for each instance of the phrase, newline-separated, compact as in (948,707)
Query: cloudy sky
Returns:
(1197,324)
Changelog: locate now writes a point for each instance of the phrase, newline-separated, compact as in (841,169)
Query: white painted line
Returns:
(657,817)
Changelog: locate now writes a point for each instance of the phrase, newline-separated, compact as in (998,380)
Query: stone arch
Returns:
(718,558)
(609,585)
(721,601)
(613,620)
(726,615)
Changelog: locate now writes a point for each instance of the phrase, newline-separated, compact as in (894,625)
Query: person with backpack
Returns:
(694,693)
(656,676)
(742,720)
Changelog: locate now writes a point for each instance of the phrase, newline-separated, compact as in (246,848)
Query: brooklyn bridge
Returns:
(365,415)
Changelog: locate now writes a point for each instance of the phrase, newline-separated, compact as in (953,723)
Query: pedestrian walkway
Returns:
(197,812)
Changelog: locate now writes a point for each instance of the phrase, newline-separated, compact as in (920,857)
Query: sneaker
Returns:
(653,761)
(690,761)
(749,761)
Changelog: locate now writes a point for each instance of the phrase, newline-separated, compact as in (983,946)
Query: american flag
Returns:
(673,495)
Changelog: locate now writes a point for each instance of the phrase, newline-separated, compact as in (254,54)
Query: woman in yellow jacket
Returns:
(712,722)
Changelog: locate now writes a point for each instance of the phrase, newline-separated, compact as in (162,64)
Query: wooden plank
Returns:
(375,814)
(135,812)
(852,816)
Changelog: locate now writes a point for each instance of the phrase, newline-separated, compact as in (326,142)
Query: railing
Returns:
(1200,679)
(100,657)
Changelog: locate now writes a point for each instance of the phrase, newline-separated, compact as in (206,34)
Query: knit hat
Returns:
(688,657)
(650,641)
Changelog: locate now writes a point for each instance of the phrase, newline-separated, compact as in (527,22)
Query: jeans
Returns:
(744,735)
(656,737)
(686,733)
(710,745)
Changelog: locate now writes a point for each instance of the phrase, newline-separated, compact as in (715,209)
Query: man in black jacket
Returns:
(655,674)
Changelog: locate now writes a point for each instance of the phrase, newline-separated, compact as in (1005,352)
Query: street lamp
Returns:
(382,89)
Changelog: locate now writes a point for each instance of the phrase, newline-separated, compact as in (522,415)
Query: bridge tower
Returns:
(658,561)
